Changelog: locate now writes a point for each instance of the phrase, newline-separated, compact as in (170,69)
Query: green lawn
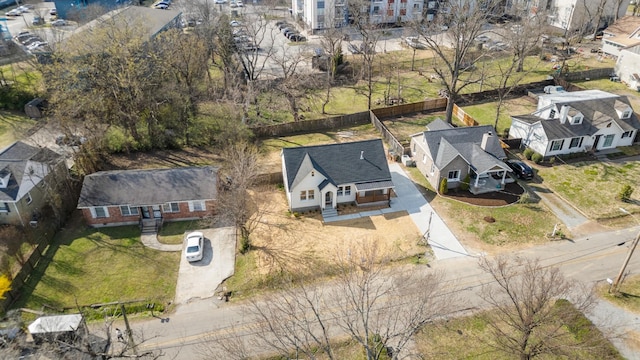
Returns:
(13,126)
(613,87)
(85,266)
(173,232)
(471,338)
(629,297)
(515,224)
(485,114)
(592,186)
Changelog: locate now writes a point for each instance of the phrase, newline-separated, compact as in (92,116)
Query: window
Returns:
(311,195)
(197,206)
(340,190)
(608,140)
(575,142)
(552,114)
(433,169)
(127,210)
(173,207)
(627,134)
(320,4)
(390,12)
(376,10)
(416,6)
(454,175)
(99,212)
(403,12)
(626,114)
(556,145)
(28,198)
(577,119)
(424,158)
(303,195)
(347,190)
(4,207)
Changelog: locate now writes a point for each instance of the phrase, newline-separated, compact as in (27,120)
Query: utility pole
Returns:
(618,280)
(128,329)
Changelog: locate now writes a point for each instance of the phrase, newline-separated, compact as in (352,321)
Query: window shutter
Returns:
(190,206)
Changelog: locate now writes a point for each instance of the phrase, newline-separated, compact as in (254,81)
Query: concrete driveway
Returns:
(199,280)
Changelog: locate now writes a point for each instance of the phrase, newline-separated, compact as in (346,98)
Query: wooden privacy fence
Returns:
(463,116)
(307,126)
(22,276)
(412,108)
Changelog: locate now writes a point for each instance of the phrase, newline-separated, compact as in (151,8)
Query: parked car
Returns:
(195,246)
(37,20)
(235,23)
(14,12)
(24,35)
(161,3)
(53,11)
(59,22)
(240,4)
(249,46)
(161,7)
(219,2)
(283,25)
(289,34)
(482,38)
(414,42)
(520,169)
(37,44)
(553,89)
(280,22)
(30,40)
(297,38)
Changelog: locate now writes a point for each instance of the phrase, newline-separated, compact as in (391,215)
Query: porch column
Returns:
(504,175)
(477,178)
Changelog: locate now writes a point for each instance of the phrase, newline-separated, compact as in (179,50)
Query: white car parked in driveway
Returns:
(195,246)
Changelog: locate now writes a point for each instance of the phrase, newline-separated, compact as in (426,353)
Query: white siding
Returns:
(308,183)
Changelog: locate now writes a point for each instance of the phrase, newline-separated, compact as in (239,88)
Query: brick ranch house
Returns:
(148,197)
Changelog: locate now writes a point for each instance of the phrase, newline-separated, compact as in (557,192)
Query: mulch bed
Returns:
(509,195)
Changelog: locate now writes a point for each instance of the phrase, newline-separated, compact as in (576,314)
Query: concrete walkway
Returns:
(570,216)
(151,241)
(440,238)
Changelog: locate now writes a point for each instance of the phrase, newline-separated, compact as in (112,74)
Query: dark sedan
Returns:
(522,170)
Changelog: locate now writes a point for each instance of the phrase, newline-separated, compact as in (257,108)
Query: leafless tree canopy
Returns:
(527,320)
(377,307)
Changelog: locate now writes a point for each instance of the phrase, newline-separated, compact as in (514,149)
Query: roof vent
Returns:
(361,155)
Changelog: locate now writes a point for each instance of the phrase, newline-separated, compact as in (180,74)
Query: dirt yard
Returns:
(287,242)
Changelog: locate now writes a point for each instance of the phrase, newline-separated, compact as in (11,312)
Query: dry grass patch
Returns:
(283,242)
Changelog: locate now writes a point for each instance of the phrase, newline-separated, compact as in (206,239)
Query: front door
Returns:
(328,199)
(145,212)
(156,211)
(595,143)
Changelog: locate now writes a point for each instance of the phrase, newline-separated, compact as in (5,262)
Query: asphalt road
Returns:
(590,260)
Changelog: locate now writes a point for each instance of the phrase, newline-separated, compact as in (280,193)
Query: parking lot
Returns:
(200,279)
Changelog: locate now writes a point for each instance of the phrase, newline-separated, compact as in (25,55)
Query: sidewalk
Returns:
(151,241)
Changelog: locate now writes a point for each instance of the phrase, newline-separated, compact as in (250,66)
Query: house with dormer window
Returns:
(323,176)
(578,121)
(27,173)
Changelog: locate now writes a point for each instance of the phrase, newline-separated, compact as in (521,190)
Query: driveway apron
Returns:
(444,244)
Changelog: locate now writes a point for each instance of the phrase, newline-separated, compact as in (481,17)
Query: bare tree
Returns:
(527,320)
(331,42)
(368,31)
(453,49)
(294,83)
(238,176)
(378,307)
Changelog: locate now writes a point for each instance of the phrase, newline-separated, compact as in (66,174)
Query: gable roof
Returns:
(339,163)
(626,25)
(27,165)
(460,135)
(148,187)
(438,124)
(598,108)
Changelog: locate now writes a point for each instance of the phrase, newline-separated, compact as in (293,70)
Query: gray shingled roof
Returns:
(598,108)
(15,159)
(148,187)
(340,163)
(438,124)
(459,135)
(555,130)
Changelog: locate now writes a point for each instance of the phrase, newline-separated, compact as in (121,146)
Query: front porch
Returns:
(489,182)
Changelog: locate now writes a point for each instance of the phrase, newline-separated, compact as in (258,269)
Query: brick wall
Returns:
(115,215)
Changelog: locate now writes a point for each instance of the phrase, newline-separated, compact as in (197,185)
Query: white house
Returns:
(323,176)
(628,66)
(577,121)
(570,15)
(623,34)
